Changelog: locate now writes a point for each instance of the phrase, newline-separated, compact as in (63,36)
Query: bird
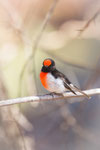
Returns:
(55,81)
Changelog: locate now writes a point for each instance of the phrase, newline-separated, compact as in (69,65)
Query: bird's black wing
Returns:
(58,74)
(68,85)
(76,89)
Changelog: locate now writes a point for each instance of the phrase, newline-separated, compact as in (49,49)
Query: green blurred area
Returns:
(56,125)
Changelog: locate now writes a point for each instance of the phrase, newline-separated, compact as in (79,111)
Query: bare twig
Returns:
(88,23)
(20,132)
(48,97)
(44,24)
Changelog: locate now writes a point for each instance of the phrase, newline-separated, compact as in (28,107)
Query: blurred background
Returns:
(69,32)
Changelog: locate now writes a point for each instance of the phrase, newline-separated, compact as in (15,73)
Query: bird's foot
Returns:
(53,94)
(56,94)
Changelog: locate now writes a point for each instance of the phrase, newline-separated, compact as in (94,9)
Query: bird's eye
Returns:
(47,62)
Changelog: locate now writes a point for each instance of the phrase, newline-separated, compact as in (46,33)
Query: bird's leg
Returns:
(58,94)
(53,94)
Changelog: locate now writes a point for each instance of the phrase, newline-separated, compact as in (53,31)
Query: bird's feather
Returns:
(68,85)
(77,89)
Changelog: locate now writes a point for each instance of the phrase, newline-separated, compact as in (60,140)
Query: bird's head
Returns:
(48,65)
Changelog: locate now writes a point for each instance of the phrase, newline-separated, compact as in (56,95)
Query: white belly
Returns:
(55,85)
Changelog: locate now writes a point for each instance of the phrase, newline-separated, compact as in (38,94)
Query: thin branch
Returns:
(88,23)
(44,24)
(20,132)
(48,97)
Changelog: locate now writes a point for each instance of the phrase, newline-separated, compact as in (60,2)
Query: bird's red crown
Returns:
(47,62)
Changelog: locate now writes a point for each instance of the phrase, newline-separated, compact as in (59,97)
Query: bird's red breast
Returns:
(43,78)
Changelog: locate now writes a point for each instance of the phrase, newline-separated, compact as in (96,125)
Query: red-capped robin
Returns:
(55,81)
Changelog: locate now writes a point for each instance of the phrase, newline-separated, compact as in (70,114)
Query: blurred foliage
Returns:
(49,125)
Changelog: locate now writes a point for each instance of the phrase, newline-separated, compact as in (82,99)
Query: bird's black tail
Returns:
(77,89)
